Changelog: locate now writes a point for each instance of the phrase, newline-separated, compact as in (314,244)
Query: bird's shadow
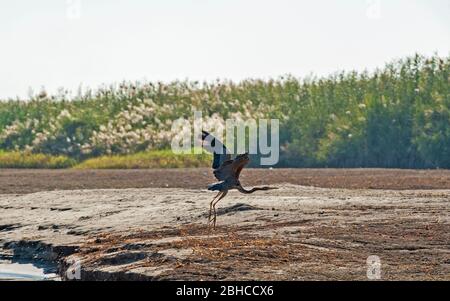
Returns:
(233,209)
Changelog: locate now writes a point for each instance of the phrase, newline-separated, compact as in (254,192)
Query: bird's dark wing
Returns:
(230,169)
(224,171)
(220,156)
(237,167)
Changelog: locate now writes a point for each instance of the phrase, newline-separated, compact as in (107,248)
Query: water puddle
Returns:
(22,271)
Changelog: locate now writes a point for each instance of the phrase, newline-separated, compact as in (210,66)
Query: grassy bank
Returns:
(24,160)
(149,159)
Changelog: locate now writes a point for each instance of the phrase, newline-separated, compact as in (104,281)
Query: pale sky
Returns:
(56,43)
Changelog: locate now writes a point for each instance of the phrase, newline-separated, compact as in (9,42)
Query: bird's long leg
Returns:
(211,206)
(214,207)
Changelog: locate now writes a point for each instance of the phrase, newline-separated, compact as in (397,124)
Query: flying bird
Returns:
(227,171)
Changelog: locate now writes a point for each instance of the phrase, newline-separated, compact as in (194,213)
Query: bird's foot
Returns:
(212,224)
(210,220)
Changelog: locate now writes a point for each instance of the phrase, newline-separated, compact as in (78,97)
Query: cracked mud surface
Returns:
(295,232)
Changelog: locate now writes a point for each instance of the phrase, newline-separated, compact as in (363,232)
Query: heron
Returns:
(227,171)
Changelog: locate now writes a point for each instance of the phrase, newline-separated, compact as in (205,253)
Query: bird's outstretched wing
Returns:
(238,165)
(224,171)
(218,149)
(231,168)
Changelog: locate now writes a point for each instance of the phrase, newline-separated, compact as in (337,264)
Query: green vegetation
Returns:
(149,159)
(397,116)
(23,160)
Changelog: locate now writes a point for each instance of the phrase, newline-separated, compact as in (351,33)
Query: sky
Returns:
(68,43)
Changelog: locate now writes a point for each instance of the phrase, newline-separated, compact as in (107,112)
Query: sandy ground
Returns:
(293,233)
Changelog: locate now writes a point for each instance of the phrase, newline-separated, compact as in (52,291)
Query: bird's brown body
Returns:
(227,171)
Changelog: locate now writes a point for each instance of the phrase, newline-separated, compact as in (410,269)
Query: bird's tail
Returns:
(216,186)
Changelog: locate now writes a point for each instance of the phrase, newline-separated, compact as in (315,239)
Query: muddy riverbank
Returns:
(23,181)
(293,233)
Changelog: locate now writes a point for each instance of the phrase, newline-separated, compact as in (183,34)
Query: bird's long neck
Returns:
(243,190)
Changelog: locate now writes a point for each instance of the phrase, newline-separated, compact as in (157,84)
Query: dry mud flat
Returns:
(293,233)
(24,181)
